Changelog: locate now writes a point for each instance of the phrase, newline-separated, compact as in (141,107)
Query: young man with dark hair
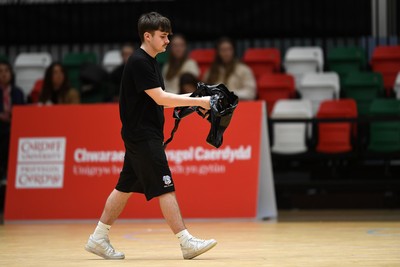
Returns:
(145,170)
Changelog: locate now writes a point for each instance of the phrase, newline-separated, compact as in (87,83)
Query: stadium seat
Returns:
(111,60)
(73,61)
(274,86)
(363,87)
(162,58)
(319,86)
(384,136)
(396,86)
(386,60)
(291,138)
(262,60)
(30,67)
(3,58)
(345,59)
(300,60)
(336,137)
(204,57)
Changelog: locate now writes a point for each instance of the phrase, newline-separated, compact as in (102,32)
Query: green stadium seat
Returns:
(363,87)
(345,59)
(3,58)
(162,58)
(384,136)
(73,61)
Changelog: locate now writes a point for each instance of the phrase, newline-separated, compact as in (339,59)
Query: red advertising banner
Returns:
(66,159)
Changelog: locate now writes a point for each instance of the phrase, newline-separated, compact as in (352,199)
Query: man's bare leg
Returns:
(191,247)
(171,212)
(115,204)
(99,242)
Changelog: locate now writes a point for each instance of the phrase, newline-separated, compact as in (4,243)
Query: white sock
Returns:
(183,236)
(101,230)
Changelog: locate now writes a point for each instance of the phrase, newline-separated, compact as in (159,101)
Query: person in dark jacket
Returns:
(10,95)
(116,75)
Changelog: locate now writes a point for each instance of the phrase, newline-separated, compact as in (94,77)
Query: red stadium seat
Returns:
(36,90)
(204,57)
(274,86)
(336,137)
(386,60)
(262,60)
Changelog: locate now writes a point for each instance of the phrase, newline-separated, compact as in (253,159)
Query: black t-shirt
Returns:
(142,118)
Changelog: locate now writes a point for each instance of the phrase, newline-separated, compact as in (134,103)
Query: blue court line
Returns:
(384,232)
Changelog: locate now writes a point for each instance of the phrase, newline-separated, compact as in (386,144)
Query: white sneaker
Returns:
(103,249)
(194,247)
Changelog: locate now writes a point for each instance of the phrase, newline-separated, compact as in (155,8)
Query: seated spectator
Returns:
(187,83)
(178,63)
(10,95)
(95,86)
(56,87)
(229,70)
(126,51)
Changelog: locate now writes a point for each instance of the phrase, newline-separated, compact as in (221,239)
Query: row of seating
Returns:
(322,94)
(298,60)
(303,73)
(347,90)
(363,87)
(347,70)
(334,137)
(30,67)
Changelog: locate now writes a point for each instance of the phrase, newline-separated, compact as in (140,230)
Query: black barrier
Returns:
(79,21)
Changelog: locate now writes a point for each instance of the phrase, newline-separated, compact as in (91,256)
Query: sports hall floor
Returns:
(295,238)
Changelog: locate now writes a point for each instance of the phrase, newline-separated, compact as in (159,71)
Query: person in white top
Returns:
(178,63)
(227,69)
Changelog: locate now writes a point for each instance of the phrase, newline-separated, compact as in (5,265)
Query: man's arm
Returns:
(188,94)
(167,99)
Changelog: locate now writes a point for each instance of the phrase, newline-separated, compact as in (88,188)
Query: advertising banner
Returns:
(66,159)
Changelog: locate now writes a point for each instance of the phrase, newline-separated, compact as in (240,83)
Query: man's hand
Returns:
(206,102)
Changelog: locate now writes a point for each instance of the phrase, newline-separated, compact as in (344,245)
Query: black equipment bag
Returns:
(222,105)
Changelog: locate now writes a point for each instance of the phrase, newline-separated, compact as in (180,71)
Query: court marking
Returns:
(384,232)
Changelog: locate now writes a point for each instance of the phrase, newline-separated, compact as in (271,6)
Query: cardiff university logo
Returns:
(167,180)
(40,162)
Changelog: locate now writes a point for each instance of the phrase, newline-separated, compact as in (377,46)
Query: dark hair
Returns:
(188,78)
(215,66)
(47,89)
(151,22)
(175,64)
(10,68)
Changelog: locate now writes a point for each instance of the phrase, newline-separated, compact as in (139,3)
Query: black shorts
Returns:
(145,169)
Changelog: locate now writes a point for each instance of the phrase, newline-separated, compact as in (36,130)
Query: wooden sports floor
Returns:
(295,238)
